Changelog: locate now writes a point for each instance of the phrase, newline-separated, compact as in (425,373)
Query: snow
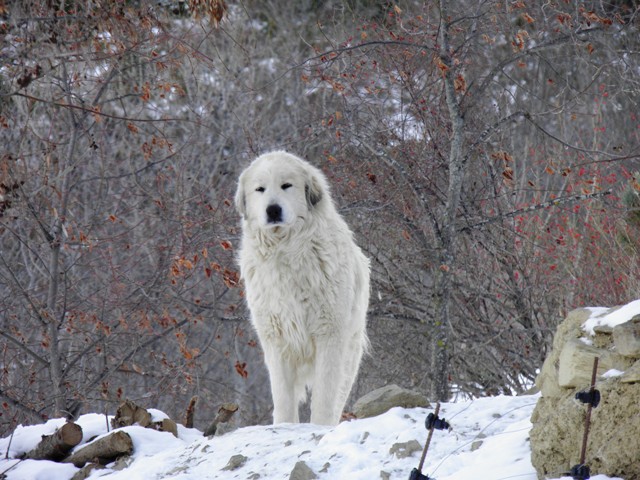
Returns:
(489,439)
(356,449)
(600,317)
(612,373)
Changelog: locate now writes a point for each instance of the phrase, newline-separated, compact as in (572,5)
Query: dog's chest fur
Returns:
(289,291)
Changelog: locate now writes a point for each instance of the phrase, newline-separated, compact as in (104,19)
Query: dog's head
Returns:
(279,189)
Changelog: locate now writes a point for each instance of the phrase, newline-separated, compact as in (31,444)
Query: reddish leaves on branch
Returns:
(214,10)
(241,369)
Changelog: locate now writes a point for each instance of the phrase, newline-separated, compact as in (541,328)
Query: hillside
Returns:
(488,440)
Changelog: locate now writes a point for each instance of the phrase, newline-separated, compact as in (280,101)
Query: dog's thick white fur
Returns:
(307,285)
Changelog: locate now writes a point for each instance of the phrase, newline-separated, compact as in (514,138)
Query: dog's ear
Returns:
(240,201)
(313,190)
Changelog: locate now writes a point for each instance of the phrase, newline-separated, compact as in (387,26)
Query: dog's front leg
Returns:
(281,376)
(326,405)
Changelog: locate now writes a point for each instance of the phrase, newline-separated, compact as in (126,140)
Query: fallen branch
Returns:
(191,410)
(129,413)
(105,449)
(225,413)
(57,445)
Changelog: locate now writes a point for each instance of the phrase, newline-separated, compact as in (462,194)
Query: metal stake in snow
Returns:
(592,399)
(432,423)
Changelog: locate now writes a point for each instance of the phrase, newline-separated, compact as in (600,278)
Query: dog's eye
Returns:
(260,189)
(286,185)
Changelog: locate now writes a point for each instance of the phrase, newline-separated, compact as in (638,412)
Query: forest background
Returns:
(485,153)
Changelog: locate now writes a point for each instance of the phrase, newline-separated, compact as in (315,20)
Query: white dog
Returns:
(307,285)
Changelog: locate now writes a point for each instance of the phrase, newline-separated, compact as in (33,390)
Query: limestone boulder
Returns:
(559,419)
(575,364)
(626,338)
(570,328)
(614,444)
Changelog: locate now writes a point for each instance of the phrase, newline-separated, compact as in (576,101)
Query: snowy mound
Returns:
(488,440)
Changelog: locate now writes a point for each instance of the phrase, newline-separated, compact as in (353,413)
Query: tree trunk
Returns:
(57,445)
(105,449)
(448,232)
(55,277)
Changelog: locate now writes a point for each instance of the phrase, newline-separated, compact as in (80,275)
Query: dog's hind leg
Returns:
(352,357)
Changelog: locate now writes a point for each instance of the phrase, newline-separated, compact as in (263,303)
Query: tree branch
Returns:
(102,114)
(551,203)
(23,347)
(35,416)
(610,157)
(107,372)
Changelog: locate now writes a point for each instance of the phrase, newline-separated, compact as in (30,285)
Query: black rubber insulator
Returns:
(437,423)
(589,397)
(580,472)
(416,475)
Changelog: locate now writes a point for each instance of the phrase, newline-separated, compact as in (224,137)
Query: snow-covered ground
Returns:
(488,441)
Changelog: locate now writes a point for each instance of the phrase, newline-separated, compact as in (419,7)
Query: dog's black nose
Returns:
(274,213)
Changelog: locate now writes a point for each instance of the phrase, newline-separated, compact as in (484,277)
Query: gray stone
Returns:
(626,338)
(476,445)
(631,374)
(381,400)
(86,471)
(235,462)
(302,472)
(405,449)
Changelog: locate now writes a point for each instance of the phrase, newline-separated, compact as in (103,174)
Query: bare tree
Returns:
(473,115)
(479,149)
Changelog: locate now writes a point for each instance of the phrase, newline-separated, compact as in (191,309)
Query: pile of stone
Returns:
(613,448)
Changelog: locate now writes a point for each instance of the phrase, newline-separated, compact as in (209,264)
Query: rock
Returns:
(626,338)
(476,445)
(302,472)
(235,462)
(571,327)
(575,364)
(86,471)
(381,400)
(478,442)
(405,449)
(614,443)
(558,419)
(631,374)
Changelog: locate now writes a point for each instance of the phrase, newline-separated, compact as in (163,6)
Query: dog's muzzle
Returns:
(274,214)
